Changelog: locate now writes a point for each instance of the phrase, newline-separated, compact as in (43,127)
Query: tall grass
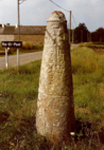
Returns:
(18,97)
(88,79)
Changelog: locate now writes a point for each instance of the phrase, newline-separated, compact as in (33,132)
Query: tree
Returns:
(98,35)
(81,33)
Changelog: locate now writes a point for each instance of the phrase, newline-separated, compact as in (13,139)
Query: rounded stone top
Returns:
(57,16)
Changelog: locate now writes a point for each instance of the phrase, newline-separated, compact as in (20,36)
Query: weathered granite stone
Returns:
(55,107)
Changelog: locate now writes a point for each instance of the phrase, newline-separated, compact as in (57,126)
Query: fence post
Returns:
(55,105)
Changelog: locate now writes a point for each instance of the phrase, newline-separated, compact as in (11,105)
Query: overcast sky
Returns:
(36,12)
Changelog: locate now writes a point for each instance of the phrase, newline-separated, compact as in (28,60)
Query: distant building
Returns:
(31,34)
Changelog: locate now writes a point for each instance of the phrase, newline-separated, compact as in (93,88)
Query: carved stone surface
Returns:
(55,107)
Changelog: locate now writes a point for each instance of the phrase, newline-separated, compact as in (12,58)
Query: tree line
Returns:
(82,34)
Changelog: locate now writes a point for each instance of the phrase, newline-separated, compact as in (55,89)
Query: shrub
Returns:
(27,46)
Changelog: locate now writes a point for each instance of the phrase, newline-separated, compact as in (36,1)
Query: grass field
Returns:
(18,98)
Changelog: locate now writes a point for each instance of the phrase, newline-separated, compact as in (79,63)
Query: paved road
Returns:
(74,46)
(23,58)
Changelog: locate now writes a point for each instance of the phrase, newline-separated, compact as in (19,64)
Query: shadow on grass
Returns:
(22,136)
(3,117)
(87,135)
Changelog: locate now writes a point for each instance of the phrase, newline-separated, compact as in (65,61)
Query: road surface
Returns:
(23,58)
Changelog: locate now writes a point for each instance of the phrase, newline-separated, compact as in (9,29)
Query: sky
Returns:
(36,12)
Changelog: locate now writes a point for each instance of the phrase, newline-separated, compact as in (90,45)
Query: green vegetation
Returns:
(82,34)
(26,48)
(18,94)
(18,98)
(94,45)
(88,80)
(88,72)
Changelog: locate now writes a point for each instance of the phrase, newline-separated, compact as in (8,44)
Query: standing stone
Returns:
(55,107)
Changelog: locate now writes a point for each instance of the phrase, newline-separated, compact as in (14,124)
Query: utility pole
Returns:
(70,27)
(73,36)
(18,3)
(18,20)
